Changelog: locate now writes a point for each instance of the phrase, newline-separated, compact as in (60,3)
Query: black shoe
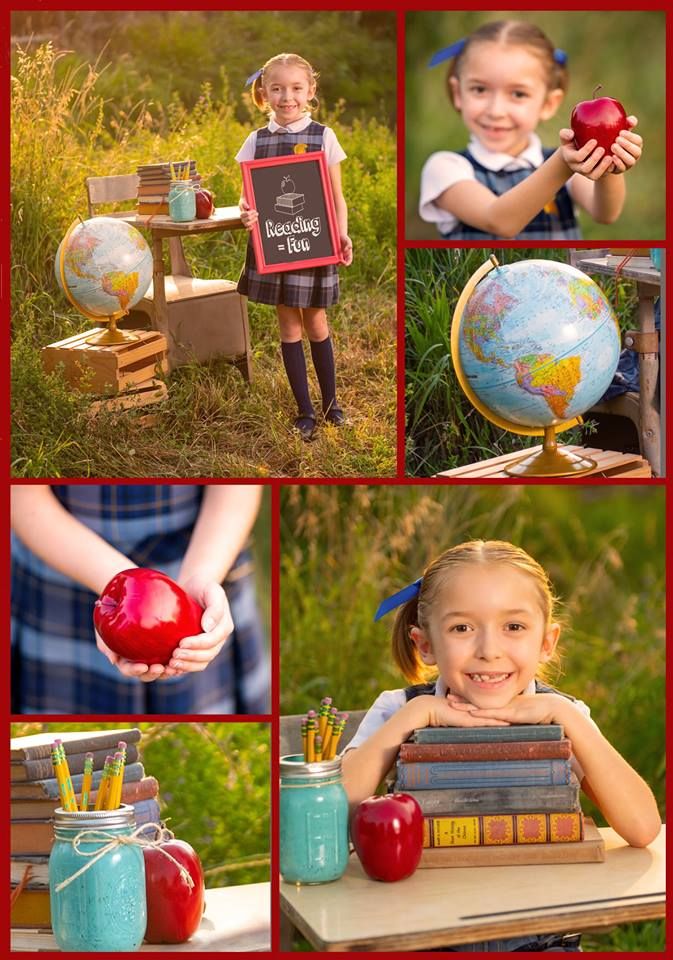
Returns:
(335,416)
(306,425)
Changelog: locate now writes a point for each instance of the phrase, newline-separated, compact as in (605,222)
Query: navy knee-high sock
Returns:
(323,361)
(295,368)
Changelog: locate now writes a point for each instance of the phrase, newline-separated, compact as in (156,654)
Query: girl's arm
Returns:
(341,213)
(365,766)
(508,214)
(622,796)
(52,533)
(227,516)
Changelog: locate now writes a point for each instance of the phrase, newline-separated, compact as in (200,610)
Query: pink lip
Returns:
(488,684)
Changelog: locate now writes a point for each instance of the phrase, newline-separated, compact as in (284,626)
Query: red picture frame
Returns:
(292,232)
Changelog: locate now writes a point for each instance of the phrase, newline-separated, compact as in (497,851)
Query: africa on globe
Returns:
(535,344)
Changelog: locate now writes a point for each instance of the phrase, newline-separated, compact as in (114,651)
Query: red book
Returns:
(486,750)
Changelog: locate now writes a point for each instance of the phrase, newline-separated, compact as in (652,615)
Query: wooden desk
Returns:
(236,918)
(648,284)
(444,907)
(609,464)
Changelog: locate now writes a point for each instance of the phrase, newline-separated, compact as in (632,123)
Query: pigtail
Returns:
(404,651)
(256,92)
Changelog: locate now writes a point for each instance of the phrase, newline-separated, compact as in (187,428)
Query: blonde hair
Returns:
(416,612)
(514,32)
(281,60)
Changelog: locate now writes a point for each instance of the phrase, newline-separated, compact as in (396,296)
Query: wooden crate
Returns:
(151,391)
(609,463)
(116,367)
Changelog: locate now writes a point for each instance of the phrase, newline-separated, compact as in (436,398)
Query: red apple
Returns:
(388,835)
(174,909)
(204,204)
(598,119)
(143,615)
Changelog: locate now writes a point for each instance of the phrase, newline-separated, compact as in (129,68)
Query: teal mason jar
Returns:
(655,257)
(313,820)
(182,201)
(104,908)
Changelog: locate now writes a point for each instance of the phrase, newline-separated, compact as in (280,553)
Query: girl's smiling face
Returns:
(502,95)
(287,90)
(487,633)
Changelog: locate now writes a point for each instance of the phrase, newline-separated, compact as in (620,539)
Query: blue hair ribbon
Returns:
(253,77)
(447,52)
(397,599)
(560,56)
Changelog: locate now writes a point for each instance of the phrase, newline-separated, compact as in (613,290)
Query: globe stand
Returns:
(551,461)
(112,335)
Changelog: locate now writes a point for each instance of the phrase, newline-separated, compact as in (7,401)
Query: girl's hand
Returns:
(538,708)
(627,148)
(452,711)
(346,250)
(590,160)
(248,217)
(195,653)
(129,668)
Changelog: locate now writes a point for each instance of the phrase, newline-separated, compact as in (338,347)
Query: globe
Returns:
(104,267)
(535,344)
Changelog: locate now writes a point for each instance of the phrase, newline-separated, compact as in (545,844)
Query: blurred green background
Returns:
(443,429)
(623,50)
(213,789)
(345,548)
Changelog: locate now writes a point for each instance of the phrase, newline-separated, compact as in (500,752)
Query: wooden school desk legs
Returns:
(650,430)
(159,288)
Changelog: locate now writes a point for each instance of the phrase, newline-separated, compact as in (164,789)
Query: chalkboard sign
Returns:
(297,222)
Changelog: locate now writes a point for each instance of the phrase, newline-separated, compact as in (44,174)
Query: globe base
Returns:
(551,461)
(112,335)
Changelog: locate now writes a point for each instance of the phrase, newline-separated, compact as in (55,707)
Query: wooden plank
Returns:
(607,461)
(442,907)
(150,391)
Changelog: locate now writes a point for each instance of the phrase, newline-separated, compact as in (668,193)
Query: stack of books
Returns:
(154,183)
(34,796)
(496,795)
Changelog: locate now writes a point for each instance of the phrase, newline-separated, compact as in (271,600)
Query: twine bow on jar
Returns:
(92,835)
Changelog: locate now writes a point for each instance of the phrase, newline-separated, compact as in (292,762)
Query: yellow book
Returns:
(502,829)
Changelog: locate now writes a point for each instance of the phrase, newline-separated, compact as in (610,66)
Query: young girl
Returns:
(284,88)
(481,619)
(70,540)
(504,79)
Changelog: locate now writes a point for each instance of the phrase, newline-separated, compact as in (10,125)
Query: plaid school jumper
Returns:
(313,286)
(56,666)
(557,225)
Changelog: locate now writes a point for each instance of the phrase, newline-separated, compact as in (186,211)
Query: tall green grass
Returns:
(624,51)
(212,424)
(443,429)
(345,548)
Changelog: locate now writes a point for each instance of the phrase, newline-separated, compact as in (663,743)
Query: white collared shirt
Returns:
(441,170)
(390,701)
(334,153)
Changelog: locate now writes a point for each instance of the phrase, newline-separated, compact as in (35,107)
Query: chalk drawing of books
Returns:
(289,202)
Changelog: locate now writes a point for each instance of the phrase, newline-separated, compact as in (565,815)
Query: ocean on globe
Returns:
(103,266)
(538,344)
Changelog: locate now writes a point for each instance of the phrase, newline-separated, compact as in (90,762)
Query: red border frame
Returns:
(318,157)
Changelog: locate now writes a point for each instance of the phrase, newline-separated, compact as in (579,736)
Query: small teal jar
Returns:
(104,908)
(313,820)
(182,201)
(655,257)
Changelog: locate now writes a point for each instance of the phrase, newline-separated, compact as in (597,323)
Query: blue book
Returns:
(517,731)
(146,811)
(487,773)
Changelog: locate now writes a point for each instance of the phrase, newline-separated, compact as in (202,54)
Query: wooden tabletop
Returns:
(640,269)
(235,918)
(609,463)
(224,218)
(441,907)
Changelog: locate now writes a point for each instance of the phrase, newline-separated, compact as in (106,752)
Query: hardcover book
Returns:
(37,746)
(470,800)
(488,773)
(485,750)
(42,769)
(516,731)
(498,829)
(47,788)
(132,791)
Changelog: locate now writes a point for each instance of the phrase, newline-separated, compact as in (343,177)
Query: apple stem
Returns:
(596,89)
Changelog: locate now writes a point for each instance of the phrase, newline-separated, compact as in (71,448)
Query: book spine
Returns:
(514,750)
(43,770)
(104,740)
(48,788)
(498,829)
(503,799)
(423,776)
(523,731)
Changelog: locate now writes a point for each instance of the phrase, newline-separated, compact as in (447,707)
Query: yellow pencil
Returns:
(103,786)
(318,748)
(59,774)
(86,781)
(120,779)
(329,733)
(114,776)
(71,799)
(304,734)
(310,736)
(325,704)
(336,736)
